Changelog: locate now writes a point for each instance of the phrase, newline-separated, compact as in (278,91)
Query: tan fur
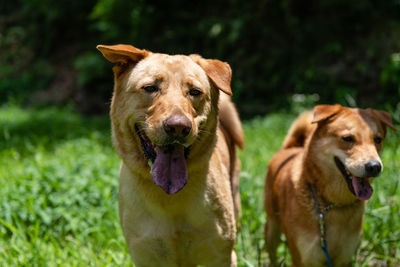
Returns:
(307,158)
(195,226)
(299,131)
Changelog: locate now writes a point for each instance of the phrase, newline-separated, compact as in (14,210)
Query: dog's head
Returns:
(164,104)
(349,141)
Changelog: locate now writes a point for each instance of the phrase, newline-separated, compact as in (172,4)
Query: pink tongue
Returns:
(169,169)
(362,188)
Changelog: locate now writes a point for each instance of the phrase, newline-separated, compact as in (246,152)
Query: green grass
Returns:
(58,176)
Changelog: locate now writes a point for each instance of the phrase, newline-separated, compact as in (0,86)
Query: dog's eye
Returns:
(150,88)
(348,138)
(377,140)
(195,92)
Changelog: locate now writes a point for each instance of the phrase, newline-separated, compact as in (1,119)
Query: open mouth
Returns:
(167,162)
(359,186)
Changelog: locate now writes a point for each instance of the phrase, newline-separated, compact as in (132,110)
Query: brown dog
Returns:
(324,169)
(179,175)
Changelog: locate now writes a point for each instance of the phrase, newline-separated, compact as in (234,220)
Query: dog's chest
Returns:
(189,228)
(343,245)
(342,237)
(175,241)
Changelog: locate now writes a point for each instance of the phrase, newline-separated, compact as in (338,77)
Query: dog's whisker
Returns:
(166,150)
(204,131)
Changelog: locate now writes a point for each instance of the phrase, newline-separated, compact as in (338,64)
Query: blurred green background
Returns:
(322,51)
(58,170)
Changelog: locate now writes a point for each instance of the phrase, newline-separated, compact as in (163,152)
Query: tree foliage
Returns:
(343,51)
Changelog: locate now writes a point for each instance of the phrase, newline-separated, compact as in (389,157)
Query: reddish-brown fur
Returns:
(306,159)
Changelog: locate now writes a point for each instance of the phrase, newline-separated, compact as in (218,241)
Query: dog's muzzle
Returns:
(167,162)
(359,186)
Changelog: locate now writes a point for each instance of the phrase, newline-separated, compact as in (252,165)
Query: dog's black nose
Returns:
(177,126)
(373,168)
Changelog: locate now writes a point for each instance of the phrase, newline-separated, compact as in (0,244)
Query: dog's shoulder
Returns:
(283,160)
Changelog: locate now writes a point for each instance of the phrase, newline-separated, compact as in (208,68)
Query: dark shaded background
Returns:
(281,52)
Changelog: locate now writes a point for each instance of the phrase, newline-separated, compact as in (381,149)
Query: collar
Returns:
(318,206)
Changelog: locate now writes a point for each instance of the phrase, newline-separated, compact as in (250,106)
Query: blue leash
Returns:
(325,250)
(321,212)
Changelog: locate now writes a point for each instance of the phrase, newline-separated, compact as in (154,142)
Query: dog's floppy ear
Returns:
(324,112)
(384,117)
(218,72)
(122,53)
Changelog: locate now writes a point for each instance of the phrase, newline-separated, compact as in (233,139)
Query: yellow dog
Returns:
(175,128)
